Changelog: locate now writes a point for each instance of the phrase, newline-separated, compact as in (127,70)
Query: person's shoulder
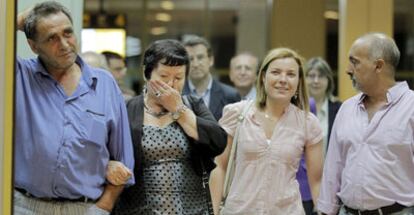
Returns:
(134,102)
(231,112)
(410,93)
(30,64)
(311,117)
(303,117)
(300,112)
(241,103)
(30,61)
(238,106)
(348,105)
(228,91)
(228,88)
(337,103)
(406,98)
(334,102)
(353,100)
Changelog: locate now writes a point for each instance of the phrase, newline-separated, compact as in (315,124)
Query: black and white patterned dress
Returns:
(170,184)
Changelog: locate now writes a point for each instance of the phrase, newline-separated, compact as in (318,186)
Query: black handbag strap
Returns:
(206,189)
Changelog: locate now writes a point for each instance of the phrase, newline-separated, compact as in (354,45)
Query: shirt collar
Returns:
(88,75)
(193,88)
(396,92)
(324,107)
(393,94)
(40,68)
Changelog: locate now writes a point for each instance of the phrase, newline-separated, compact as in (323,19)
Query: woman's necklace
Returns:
(153,113)
(267,116)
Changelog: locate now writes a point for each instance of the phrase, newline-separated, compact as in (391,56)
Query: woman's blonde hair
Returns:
(301,99)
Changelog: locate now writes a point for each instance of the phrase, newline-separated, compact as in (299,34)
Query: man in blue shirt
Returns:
(70,121)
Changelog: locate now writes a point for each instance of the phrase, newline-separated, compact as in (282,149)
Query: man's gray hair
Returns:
(384,47)
(42,10)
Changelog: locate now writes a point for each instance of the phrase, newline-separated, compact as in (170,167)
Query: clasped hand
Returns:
(117,173)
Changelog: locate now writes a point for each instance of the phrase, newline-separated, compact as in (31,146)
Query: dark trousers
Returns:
(308,206)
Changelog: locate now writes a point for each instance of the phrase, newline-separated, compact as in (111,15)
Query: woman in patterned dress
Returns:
(173,143)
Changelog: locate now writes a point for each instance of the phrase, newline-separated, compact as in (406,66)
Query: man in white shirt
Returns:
(369,166)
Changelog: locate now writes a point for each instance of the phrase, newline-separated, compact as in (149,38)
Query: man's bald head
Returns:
(381,46)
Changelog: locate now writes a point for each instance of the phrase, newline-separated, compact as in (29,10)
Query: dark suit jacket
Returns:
(212,141)
(220,95)
(333,108)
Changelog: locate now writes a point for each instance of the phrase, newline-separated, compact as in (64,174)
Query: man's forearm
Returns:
(109,197)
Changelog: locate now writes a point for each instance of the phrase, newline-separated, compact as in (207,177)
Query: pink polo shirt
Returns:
(265,173)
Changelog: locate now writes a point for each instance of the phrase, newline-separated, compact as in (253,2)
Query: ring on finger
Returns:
(158,94)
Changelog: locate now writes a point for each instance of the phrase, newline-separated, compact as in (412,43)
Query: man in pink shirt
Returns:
(369,168)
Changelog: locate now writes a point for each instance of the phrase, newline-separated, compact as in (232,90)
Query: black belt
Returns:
(59,199)
(383,210)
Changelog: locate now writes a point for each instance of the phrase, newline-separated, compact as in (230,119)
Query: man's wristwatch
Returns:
(177,114)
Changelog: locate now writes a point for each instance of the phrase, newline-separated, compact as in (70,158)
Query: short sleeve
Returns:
(314,132)
(231,113)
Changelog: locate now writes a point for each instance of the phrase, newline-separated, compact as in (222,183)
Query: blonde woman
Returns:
(273,135)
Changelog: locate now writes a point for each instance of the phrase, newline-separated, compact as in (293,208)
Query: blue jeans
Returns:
(24,205)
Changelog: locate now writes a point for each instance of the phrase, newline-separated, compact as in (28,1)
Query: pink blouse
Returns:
(264,180)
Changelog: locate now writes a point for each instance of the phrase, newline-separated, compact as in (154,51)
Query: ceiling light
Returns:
(158,30)
(330,14)
(167,5)
(163,17)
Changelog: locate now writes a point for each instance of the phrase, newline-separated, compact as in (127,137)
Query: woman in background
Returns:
(321,85)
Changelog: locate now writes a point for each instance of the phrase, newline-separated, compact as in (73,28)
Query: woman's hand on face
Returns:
(166,95)
(117,173)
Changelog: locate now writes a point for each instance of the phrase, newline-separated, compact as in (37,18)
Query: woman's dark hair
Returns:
(167,52)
